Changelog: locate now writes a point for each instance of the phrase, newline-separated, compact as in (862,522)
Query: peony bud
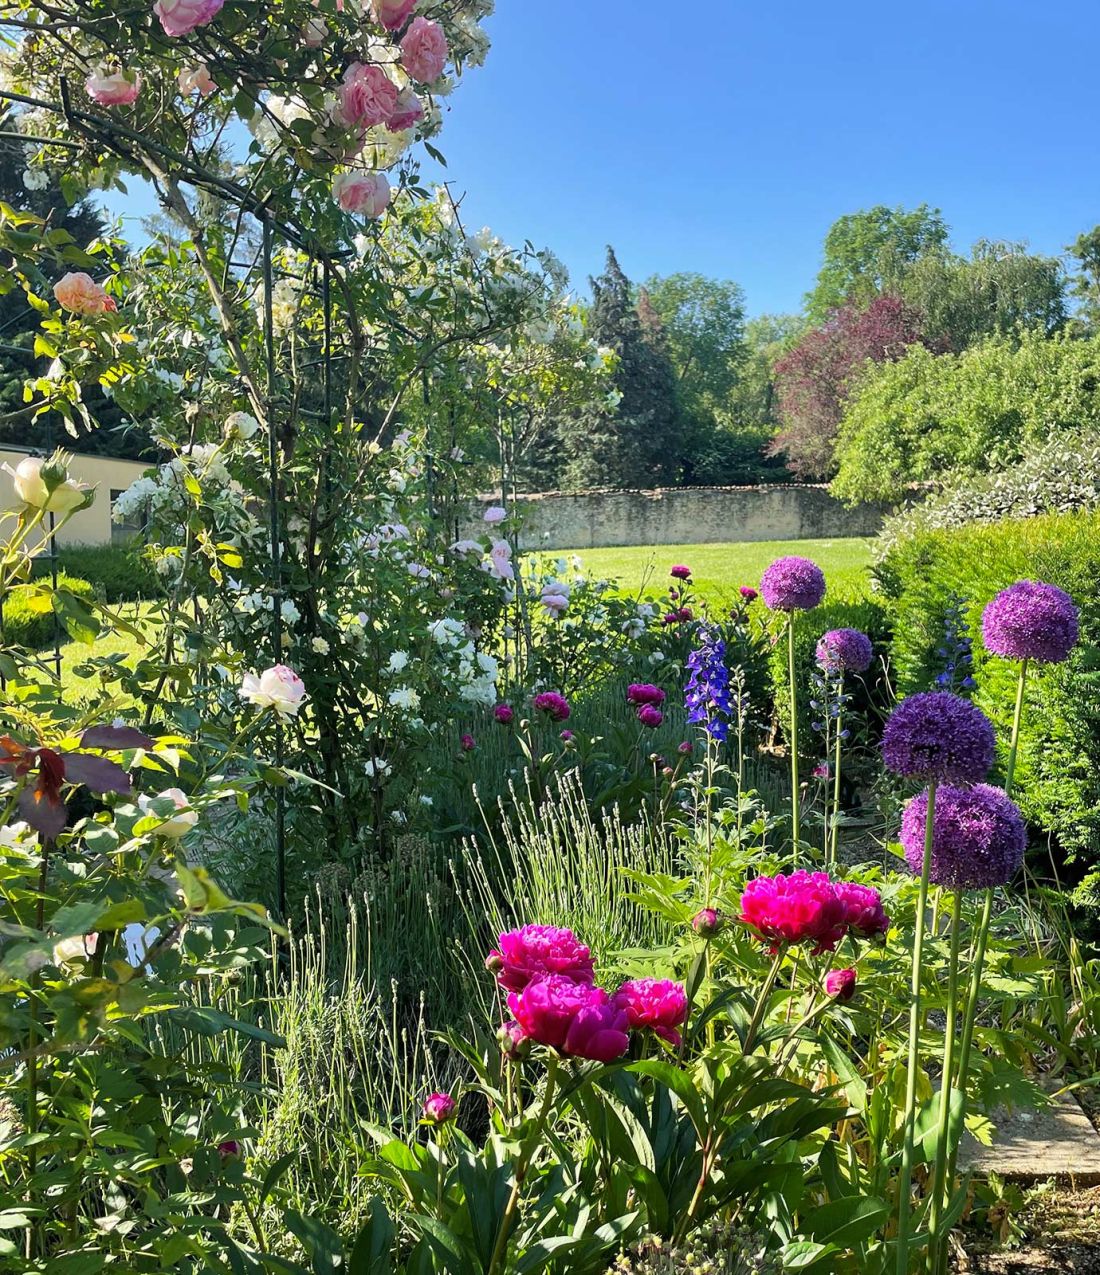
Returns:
(706,922)
(439,1108)
(841,984)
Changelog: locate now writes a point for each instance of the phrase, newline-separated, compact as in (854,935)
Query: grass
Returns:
(720,569)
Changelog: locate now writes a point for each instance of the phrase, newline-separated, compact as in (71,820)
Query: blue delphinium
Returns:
(707,696)
(955,651)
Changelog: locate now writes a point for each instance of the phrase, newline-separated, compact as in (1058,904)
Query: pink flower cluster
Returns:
(809,907)
(181,17)
(549,977)
(647,699)
(681,616)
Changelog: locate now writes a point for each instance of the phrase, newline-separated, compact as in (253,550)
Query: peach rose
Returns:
(409,110)
(367,193)
(367,97)
(424,50)
(80,293)
(118,89)
(392,13)
(180,17)
(196,79)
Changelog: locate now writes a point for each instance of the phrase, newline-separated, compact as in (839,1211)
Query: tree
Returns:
(703,323)
(869,252)
(817,375)
(635,443)
(1085,285)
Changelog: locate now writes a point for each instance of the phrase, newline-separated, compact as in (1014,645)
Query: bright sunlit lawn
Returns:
(720,569)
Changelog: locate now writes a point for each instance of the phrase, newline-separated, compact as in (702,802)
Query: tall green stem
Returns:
(834,830)
(795,795)
(762,1002)
(941,1182)
(905,1179)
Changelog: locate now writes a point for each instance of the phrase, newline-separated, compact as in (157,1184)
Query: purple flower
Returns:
(978,837)
(567,736)
(706,922)
(707,696)
(748,593)
(840,984)
(863,909)
(1031,621)
(681,573)
(504,713)
(555,706)
(468,743)
(649,715)
(685,747)
(439,1108)
(644,693)
(844,651)
(938,737)
(793,584)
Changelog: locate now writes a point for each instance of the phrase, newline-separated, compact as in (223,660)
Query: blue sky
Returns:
(724,136)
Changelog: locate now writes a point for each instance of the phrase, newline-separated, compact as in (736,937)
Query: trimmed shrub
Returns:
(870,694)
(34,629)
(118,573)
(1057,772)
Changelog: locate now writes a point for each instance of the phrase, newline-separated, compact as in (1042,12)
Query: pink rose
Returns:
(576,1018)
(500,561)
(181,17)
(654,1003)
(196,80)
(533,951)
(119,89)
(409,110)
(80,293)
(279,688)
(495,515)
(392,13)
(424,50)
(367,97)
(366,193)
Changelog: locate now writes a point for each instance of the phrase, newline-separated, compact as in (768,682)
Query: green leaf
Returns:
(847,1221)
(373,1248)
(78,618)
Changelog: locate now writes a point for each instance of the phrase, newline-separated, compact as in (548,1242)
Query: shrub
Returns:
(31,627)
(1057,784)
(118,573)
(980,411)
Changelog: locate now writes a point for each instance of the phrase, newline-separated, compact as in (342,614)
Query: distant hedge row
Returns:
(118,573)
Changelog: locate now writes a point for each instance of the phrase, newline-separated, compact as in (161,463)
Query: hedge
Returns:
(1058,765)
(118,573)
(32,628)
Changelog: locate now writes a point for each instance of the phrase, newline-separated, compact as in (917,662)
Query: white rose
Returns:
(177,825)
(279,688)
(32,490)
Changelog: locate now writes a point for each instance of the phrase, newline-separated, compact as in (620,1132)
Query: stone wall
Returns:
(685,515)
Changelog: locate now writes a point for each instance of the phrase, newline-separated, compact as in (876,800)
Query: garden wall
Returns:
(685,515)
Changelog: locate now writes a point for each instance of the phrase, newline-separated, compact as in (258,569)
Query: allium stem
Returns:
(905,1178)
(795,802)
(834,831)
(941,1182)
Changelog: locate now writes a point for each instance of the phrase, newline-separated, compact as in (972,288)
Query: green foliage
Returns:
(29,615)
(926,416)
(1057,783)
(1086,282)
(117,573)
(867,252)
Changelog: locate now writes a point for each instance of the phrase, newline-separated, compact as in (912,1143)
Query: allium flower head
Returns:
(644,693)
(793,584)
(800,908)
(534,951)
(1031,621)
(844,651)
(555,706)
(978,837)
(863,911)
(656,1004)
(575,1018)
(937,736)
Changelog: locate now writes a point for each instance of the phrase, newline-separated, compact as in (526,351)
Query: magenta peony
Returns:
(505,714)
(654,1004)
(644,693)
(575,1018)
(555,706)
(863,911)
(536,950)
(840,984)
(748,593)
(424,50)
(439,1108)
(681,573)
(181,17)
(513,1041)
(706,922)
(800,908)
(467,742)
(650,716)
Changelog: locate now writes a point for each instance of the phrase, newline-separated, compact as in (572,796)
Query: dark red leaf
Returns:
(44,813)
(97,773)
(115,737)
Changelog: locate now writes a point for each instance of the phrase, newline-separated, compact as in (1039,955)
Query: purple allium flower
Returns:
(1031,621)
(844,651)
(439,1108)
(840,984)
(937,736)
(650,715)
(681,573)
(555,706)
(707,696)
(793,584)
(978,837)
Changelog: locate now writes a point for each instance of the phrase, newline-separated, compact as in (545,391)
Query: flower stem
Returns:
(905,1179)
(834,831)
(762,1002)
(794,736)
(941,1182)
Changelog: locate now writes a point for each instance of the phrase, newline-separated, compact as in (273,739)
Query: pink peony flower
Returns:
(230,1149)
(650,716)
(468,743)
(534,951)
(685,748)
(366,97)
(555,706)
(408,111)
(181,17)
(79,292)
(424,50)
(681,573)
(118,89)
(644,693)
(279,688)
(391,14)
(748,593)
(567,736)
(841,984)
(196,80)
(439,1108)
(706,922)
(505,714)
(654,1004)
(576,1018)
(800,908)
(366,193)
(863,911)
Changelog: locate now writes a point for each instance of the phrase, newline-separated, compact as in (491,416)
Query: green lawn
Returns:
(719,570)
